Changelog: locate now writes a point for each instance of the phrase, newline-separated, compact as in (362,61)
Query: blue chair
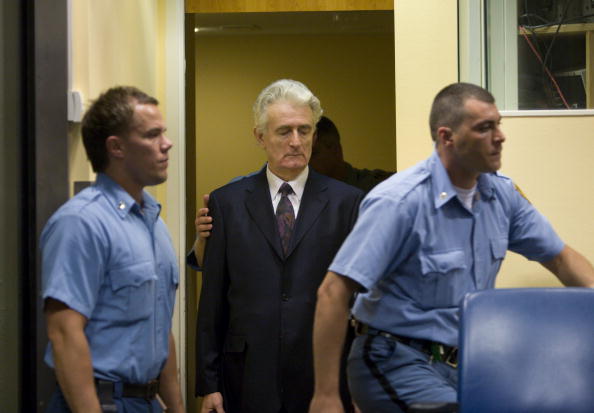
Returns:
(527,350)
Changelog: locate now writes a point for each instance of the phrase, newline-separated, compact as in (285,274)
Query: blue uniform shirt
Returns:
(416,250)
(114,263)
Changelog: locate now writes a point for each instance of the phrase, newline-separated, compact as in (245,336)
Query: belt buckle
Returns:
(105,394)
(357,326)
(436,352)
(452,358)
(439,354)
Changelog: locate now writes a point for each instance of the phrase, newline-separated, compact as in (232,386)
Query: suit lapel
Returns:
(259,206)
(314,200)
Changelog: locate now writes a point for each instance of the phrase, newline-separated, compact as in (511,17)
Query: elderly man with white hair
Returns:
(274,235)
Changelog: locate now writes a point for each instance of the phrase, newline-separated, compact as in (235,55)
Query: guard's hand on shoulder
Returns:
(203,221)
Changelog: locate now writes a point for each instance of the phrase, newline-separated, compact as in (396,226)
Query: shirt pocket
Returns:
(443,282)
(498,248)
(134,291)
(498,251)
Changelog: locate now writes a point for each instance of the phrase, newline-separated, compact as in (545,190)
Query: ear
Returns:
(444,136)
(259,137)
(114,146)
(314,138)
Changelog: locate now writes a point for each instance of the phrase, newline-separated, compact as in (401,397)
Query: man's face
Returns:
(325,158)
(287,138)
(478,141)
(145,148)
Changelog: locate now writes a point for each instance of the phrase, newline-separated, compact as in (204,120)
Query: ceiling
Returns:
(345,22)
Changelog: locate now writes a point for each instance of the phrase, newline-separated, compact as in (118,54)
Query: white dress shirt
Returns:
(298,185)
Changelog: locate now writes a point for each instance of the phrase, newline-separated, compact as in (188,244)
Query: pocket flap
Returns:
(132,275)
(175,275)
(499,247)
(442,261)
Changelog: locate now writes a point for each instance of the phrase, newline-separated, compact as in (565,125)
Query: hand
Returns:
(326,404)
(212,402)
(203,222)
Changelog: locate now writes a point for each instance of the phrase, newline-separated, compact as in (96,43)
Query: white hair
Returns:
(288,90)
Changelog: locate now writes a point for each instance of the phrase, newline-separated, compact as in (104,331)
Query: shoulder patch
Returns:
(521,193)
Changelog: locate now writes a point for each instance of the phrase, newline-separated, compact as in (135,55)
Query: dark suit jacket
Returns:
(255,319)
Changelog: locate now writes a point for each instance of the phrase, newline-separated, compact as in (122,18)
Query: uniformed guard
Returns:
(424,238)
(110,272)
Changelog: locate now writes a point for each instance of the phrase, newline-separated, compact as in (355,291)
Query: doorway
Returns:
(345,57)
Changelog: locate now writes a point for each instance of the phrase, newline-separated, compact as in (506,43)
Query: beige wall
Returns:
(115,43)
(351,74)
(138,43)
(426,35)
(549,157)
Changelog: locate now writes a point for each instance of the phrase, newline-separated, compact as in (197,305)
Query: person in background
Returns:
(327,159)
(424,238)
(110,272)
(275,233)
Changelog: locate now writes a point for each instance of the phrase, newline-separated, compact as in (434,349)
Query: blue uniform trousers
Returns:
(58,404)
(387,376)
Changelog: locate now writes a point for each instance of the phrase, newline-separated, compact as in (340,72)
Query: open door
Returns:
(343,52)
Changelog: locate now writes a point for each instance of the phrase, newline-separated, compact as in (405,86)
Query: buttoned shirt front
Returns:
(417,250)
(112,261)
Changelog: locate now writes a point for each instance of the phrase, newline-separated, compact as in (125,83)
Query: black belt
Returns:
(436,351)
(146,391)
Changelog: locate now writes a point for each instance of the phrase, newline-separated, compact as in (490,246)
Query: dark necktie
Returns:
(285,216)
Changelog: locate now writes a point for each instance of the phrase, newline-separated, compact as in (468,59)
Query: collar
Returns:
(298,184)
(444,190)
(122,201)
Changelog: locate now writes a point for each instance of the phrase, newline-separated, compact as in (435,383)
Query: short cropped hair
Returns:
(112,114)
(448,106)
(327,132)
(284,90)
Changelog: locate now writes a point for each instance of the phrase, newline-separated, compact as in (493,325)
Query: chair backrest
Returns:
(527,350)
